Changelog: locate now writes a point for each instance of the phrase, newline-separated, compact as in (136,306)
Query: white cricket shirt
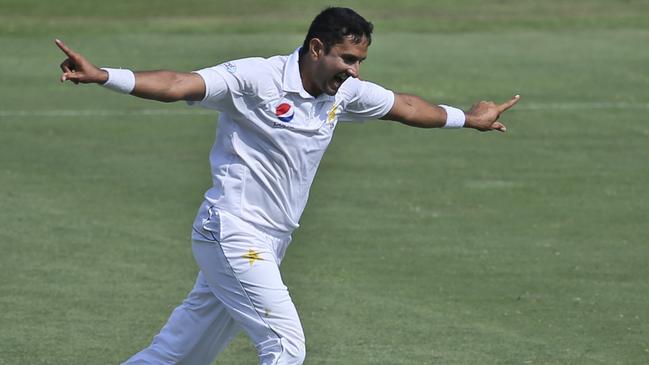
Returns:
(272,135)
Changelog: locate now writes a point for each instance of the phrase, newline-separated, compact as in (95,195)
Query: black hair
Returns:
(334,24)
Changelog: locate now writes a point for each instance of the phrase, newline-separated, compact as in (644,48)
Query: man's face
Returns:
(343,60)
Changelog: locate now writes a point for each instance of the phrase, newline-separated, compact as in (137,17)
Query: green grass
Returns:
(417,246)
(37,17)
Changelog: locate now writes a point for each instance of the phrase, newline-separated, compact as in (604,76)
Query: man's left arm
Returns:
(414,111)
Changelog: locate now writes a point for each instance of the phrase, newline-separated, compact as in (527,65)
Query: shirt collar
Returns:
(292,80)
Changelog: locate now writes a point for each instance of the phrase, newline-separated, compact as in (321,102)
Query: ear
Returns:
(316,48)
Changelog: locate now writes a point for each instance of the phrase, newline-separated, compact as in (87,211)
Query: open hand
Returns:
(78,69)
(484,115)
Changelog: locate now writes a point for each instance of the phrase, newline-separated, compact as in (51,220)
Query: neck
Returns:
(306,70)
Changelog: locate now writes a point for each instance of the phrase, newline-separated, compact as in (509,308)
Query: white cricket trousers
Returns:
(239,286)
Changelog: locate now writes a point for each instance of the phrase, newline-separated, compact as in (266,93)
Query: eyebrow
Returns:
(353,57)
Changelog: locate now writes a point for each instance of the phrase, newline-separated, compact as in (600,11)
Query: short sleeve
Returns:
(365,100)
(216,88)
(228,80)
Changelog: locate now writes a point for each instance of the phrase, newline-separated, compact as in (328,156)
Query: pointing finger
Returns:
(67,50)
(505,106)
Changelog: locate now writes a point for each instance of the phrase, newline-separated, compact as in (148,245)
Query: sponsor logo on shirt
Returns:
(284,112)
(282,125)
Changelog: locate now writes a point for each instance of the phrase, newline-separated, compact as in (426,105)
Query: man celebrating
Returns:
(277,116)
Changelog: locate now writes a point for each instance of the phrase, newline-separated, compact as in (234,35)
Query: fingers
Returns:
(71,76)
(69,71)
(65,65)
(497,126)
(66,68)
(484,115)
(505,106)
(70,65)
(67,50)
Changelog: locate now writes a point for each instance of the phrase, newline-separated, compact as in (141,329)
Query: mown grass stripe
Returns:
(165,112)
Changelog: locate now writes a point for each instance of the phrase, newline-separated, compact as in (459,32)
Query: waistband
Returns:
(207,209)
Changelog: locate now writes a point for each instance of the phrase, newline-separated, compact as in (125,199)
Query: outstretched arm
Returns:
(414,111)
(164,86)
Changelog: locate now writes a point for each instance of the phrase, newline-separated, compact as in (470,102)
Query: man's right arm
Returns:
(166,86)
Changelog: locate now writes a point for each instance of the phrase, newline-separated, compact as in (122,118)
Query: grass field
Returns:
(417,246)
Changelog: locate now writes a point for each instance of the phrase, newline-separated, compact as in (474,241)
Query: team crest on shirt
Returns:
(332,113)
(285,111)
(231,67)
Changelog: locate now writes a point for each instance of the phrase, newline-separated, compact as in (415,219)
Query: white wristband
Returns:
(120,80)
(455,117)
